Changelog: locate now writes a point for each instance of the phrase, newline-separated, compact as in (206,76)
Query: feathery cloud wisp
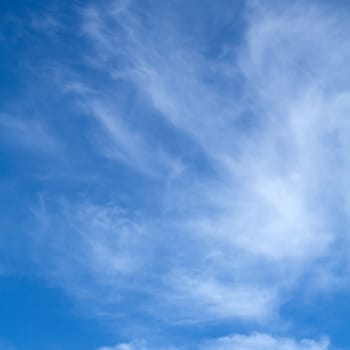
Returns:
(266,119)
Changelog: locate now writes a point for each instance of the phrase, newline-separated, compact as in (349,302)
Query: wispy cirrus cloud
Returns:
(28,133)
(267,119)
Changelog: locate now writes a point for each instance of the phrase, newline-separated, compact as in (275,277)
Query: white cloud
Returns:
(129,145)
(211,298)
(125,346)
(257,341)
(90,251)
(242,240)
(28,133)
(260,341)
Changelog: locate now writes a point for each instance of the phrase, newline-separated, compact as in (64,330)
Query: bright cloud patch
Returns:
(264,342)
(256,341)
(188,168)
(262,217)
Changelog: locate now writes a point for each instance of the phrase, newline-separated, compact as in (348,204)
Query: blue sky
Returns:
(174,175)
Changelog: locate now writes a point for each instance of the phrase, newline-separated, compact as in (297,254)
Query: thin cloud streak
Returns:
(237,243)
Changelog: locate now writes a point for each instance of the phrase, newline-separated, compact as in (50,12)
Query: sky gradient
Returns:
(174,175)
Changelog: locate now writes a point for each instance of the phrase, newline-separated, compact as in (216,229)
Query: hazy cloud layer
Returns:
(220,176)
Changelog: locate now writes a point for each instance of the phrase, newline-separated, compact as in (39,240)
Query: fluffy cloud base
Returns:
(257,341)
